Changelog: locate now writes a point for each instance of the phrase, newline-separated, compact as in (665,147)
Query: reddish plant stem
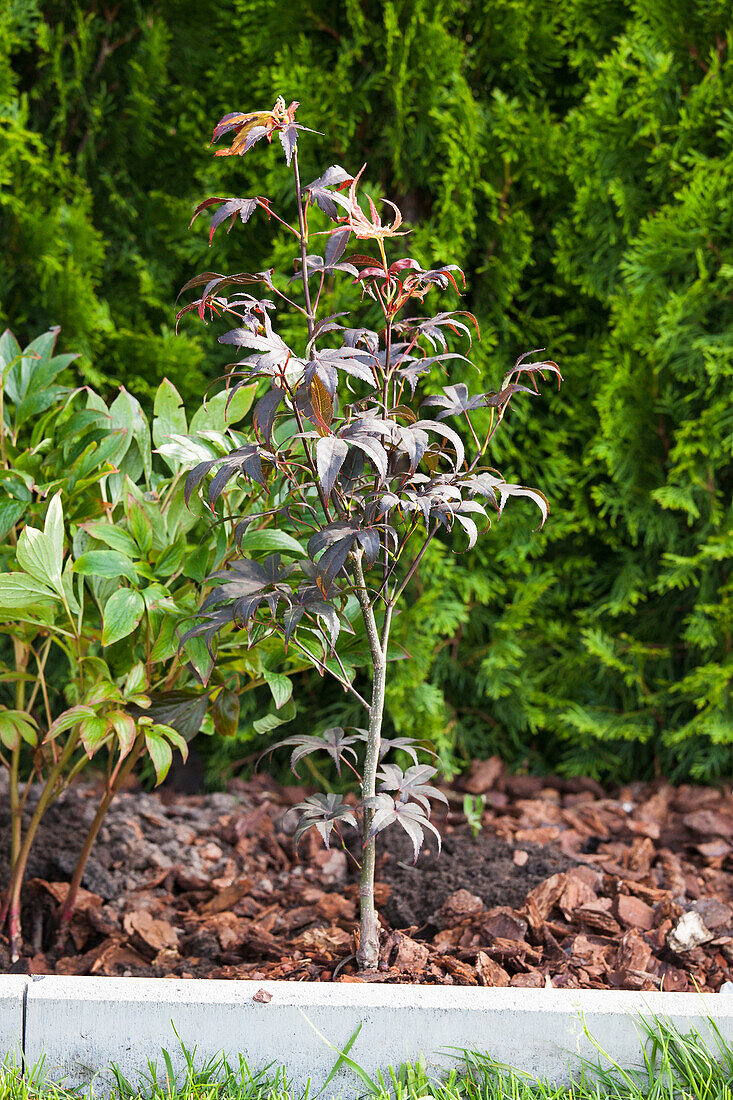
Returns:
(17,872)
(117,779)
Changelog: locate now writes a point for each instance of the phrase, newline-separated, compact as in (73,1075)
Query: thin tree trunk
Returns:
(368,954)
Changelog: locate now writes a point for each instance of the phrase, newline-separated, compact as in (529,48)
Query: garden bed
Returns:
(565,885)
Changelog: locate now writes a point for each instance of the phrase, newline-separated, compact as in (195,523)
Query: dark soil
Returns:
(566,885)
(483,865)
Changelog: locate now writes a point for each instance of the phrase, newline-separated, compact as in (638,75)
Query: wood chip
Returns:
(503,922)
(634,913)
(533,979)
(483,775)
(157,934)
(545,895)
(489,972)
(598,917)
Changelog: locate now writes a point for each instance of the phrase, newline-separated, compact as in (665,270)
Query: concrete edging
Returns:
(81,1025)
(12,1016)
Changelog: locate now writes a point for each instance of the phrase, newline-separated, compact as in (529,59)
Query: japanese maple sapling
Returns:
(343,457)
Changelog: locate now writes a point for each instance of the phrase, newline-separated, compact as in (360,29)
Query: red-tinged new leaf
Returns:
(321,404)
(246,137)
(238,120)
(67,720)
(94,732)
(405,264)
(124,727)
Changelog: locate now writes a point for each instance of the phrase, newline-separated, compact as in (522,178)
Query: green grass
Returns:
(675,1067)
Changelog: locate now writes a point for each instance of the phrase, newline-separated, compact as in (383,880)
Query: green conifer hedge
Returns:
(577,160)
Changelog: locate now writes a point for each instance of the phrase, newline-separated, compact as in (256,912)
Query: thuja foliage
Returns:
(575,160)
(343,454)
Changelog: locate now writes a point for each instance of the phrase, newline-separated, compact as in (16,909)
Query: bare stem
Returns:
(303,247)
(408,576)
(345,683)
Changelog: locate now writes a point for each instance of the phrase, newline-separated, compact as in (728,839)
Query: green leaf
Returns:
(103,692)
(169,417)
(165,645)
(113,536)
(67,584)
(122,415)
(17,724)
(343,1057)
(176,739)
(270,540)
(10,512)
(37,401)
(280,686)
(9,350)
(53,527)
(20,590)
(105,563)
(122,613)
(196,565)
(183,449)
(141,528)
(171,560)
(94,732)
(201,661)
(37,555)
(215,414)
(9,734)
(269,722)
(135,680)
(141,432)
(159,752)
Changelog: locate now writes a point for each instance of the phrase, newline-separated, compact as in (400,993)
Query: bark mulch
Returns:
(565,886)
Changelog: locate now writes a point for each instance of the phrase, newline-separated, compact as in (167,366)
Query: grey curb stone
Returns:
(12,996)
(81,1025)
